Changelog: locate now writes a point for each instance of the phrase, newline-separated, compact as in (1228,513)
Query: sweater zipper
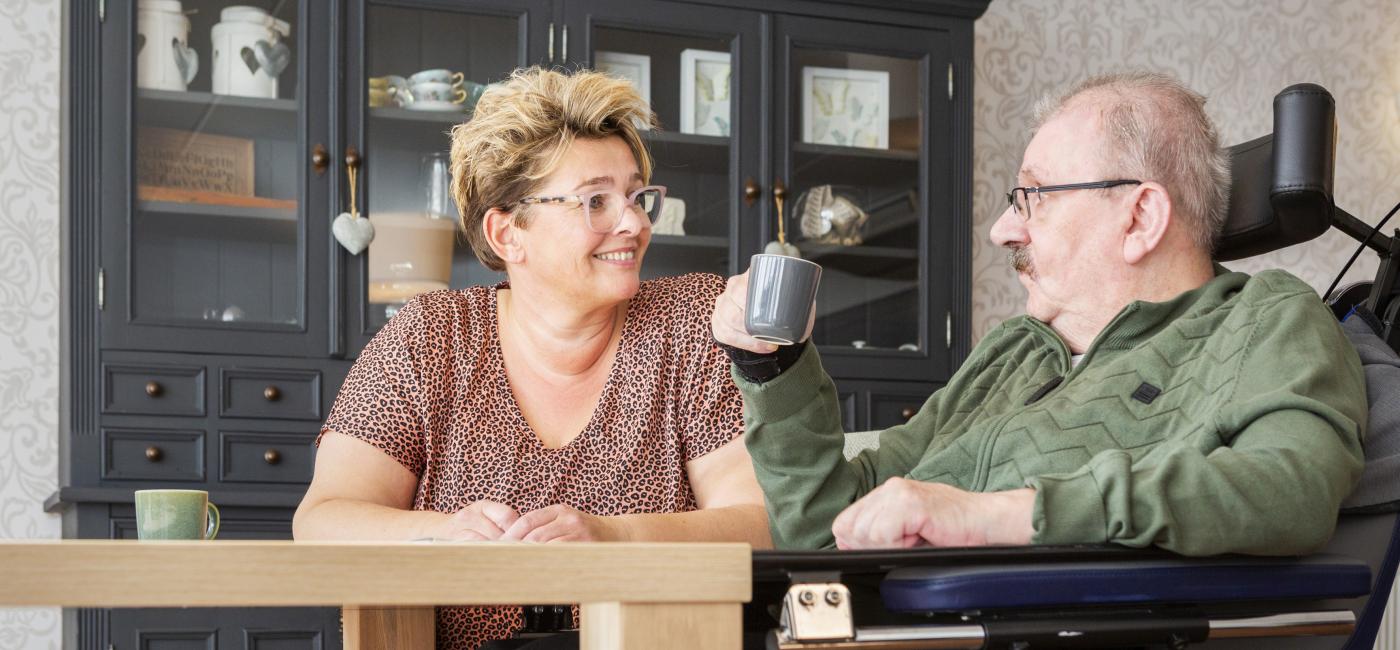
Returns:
(984,455)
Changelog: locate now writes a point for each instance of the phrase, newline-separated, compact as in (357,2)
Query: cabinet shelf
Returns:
(854,153)
(210,113)
(683,152)
(395,114)
(690,241)
(818,164)
(220,211)
(815,252)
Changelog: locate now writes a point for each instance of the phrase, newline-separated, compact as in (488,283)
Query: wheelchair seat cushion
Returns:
(1153,581)
(1379,489)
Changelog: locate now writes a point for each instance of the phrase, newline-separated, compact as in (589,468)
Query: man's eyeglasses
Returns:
(602,210)
(1019,197)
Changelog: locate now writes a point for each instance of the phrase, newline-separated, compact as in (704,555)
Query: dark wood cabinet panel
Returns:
(152,454)
(267,393)
(153,390)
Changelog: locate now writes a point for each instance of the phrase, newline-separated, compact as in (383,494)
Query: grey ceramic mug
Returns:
(175,514)
(781,292)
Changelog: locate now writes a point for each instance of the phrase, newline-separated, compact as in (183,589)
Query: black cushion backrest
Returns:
(1281,184)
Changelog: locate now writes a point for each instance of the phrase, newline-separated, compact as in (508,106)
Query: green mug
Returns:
(175,514)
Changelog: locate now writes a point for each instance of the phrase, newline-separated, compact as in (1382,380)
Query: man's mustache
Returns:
(1020,259)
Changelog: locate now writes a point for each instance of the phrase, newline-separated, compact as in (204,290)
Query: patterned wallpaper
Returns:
(30,56)
(1238,53)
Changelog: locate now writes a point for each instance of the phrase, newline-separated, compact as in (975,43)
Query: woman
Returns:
(572,402)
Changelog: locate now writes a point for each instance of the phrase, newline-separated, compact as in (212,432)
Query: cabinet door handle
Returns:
(751,191)
(908,413)
(549,43)
(272,393)
(352,158)
(154,454)
(272,457)
(320,159)
(564,45)
(154,389)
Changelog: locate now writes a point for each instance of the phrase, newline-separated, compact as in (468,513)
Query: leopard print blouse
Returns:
(431,391)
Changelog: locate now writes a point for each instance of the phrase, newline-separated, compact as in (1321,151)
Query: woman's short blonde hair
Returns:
(520,131)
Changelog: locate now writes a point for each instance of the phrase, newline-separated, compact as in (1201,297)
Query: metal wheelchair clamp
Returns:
(817,611)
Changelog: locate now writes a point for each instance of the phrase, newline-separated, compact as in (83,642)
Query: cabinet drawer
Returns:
(265,393)
(153,390)
(162,455)
(887,410)
(236,628)
(247,457)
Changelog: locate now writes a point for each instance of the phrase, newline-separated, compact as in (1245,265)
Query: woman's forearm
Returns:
(346,519)
(743,523)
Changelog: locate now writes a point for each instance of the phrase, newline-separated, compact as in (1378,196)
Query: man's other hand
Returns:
(904,513)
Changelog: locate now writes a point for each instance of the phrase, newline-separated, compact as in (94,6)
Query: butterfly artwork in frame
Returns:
(846,107)
(705,92)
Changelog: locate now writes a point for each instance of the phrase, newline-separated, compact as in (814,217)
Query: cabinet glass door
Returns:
(419,73)
(697,66)
(216,230)
(860,127)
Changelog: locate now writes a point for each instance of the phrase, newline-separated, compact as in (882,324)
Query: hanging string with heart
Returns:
(353,232)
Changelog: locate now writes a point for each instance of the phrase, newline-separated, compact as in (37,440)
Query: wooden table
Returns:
(630,595)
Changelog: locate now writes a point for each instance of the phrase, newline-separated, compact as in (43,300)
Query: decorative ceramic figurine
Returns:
(164,60)
(249,52)
(827,218)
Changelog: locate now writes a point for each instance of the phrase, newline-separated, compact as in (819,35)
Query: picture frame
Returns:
(705,92)
(635,68)
(846,107)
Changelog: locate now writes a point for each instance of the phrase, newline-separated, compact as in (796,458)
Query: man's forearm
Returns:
(740,523)
(345,519)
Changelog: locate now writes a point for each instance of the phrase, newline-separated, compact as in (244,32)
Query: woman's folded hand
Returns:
(480,521)
(559,523)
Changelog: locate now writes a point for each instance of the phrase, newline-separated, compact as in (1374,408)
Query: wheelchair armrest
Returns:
(1127,581)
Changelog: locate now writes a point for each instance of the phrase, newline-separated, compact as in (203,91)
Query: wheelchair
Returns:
(1102,596)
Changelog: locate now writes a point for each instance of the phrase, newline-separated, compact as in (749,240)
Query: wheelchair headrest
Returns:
(1281,184)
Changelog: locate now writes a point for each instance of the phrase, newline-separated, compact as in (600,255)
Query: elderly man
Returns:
(1148,397)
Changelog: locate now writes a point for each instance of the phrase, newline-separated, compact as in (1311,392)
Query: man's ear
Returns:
(1150,216)
(503,235)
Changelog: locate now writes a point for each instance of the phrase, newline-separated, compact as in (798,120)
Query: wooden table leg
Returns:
(624,626)
(368,627)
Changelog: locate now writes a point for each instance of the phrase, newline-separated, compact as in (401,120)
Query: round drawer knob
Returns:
(154,389)
(154,454)
(908,413)
(272,394)
(272,457)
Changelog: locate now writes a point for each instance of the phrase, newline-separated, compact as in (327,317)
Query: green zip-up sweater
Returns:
(1250,445)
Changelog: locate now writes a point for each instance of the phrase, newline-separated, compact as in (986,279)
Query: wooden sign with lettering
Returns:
(175,159)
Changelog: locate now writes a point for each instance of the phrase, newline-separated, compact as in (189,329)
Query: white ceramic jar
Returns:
(164,60)
(249,52)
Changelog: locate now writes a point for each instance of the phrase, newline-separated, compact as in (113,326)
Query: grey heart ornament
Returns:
(273,57)
(186,60)
(354,233)
(249,59)
(781,248)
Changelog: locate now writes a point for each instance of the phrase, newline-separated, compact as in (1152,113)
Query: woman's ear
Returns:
(503,235)
(1150,216)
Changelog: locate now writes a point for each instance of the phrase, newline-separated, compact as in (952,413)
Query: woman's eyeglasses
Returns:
(602,210)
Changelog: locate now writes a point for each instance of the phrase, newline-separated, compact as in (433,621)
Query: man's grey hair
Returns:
(1156,129)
